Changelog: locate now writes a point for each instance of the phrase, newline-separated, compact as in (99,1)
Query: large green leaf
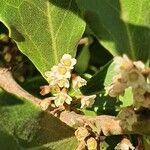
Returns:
(83,60)
(43,29)
(96,83)
(146,142)
(122,26)
(24,126)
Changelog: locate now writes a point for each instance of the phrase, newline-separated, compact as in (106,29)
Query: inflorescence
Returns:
(132,74)
(63,83)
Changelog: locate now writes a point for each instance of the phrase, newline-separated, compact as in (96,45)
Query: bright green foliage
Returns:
(121,26)
(44,30)
(24,126)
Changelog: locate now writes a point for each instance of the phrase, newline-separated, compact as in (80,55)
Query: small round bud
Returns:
(91,144)
(7,57)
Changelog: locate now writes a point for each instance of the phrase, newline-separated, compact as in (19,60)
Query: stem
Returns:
(109,125)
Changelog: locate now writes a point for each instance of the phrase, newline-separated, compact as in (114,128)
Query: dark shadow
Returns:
(96,83)
(99,55)
(66,4)
(7,99)
(46,130)
(106,105)
(33,86)
(104,18)
(112,141)
(16,35)
(28,125)
(3,29)
(7,142)
(107,25)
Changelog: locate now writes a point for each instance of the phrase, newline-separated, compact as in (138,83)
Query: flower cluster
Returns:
(61,73)
(128,118)
(132,74)
(61,81)
(87,137)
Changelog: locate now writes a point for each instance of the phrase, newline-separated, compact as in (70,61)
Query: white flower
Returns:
(135,78)
(117,88)
(123,64)
(58,75)
(68,61)
(62,98)
(50,76)
(139,65)
(87,101)
(125,144)
(78,82)
(60,71)
(81,133)
(62,82)
(130,74)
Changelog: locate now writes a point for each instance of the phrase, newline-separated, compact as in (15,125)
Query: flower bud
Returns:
(91,144)
(81,133)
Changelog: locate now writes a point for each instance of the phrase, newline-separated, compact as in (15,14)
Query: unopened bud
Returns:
(7,57)
(45,90)
(91,144)
(4,38)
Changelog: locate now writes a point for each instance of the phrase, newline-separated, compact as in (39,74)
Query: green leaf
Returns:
(146,142)
(66,144)
(24,126)
(96,83)
(32,85)
(44,30)
(127,99)
(88,112)
(106,105)
(83,60)
(121,26)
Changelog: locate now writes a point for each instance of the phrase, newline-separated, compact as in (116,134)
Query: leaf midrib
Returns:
(50,27)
